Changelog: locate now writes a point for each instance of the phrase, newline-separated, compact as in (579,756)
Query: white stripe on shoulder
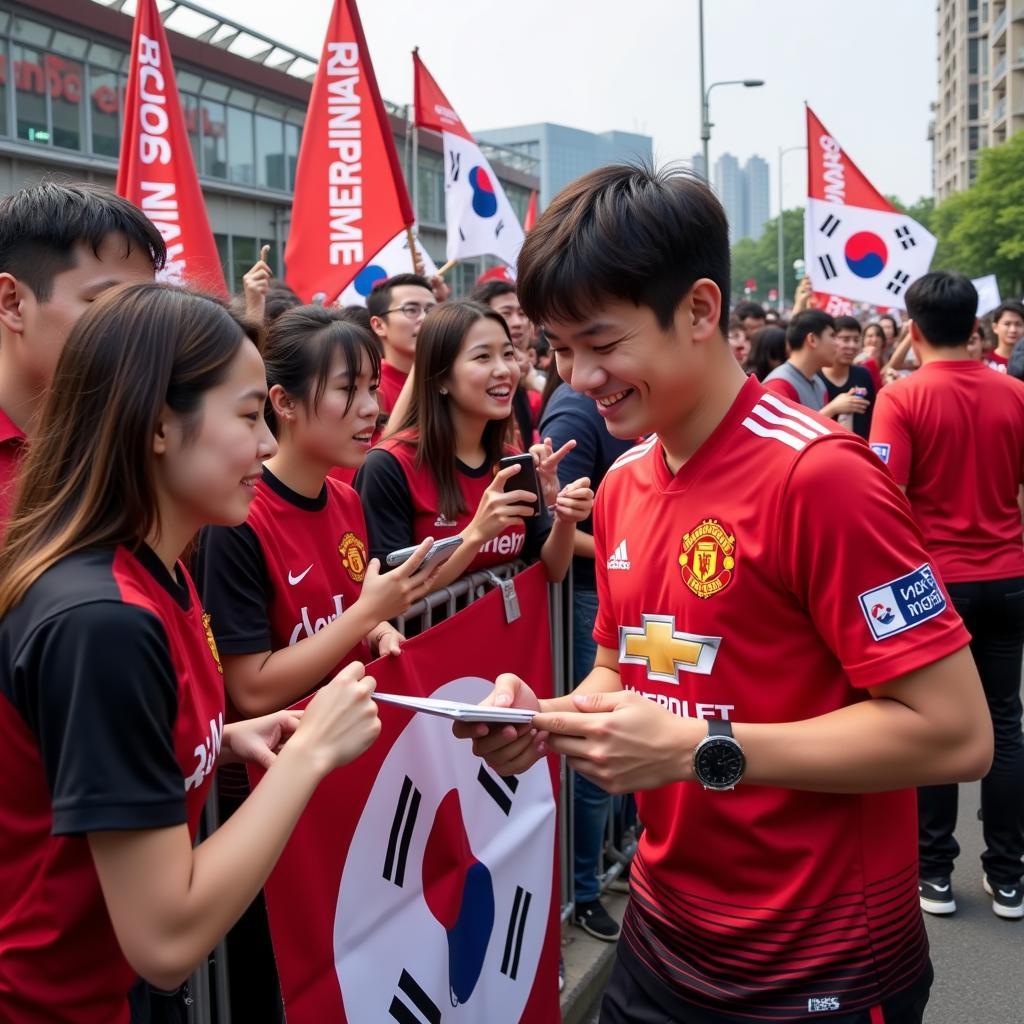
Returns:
(779,435)
(637,452)
(791,410)
(783,421)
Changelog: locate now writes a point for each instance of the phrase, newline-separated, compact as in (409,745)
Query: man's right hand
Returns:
(508,749)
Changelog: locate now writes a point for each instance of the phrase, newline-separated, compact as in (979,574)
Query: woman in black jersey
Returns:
(111,695)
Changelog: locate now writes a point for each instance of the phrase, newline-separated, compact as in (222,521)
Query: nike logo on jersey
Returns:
(296,580)
(619,557)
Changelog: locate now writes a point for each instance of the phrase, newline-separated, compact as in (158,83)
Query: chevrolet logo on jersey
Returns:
(664,651)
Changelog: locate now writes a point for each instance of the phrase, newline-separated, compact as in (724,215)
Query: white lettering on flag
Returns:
(344,137)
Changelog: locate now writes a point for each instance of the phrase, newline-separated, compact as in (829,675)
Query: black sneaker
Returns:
(1007,899)
(596,921)
(936,895)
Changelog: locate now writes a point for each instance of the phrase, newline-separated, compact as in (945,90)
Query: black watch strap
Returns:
(719,727)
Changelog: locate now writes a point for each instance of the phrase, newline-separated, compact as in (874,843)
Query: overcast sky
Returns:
(867,67)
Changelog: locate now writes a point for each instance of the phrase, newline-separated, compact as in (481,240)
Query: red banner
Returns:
(417,878)
(432,107)
(832,176)
(155,169)
(350,196)
(531,212)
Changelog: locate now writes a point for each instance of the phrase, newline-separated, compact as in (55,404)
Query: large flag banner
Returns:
(418,885)
(350,196)
(394,258)
(856,244)
(479,217)
(155,168)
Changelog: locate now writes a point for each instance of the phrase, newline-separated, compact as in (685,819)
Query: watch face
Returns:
(719,763)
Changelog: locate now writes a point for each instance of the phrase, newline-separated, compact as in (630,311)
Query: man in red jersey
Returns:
(397,307)
(60,247)
(778,665)
(1008,327)
(953,438)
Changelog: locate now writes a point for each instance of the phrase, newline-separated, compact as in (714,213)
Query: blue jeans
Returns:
(591,804)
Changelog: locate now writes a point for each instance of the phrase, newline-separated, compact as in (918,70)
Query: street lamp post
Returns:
(782,244)
(705,126)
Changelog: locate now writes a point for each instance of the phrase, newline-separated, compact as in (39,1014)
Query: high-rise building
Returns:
(755,180)
(566,153)
(981,86)
(744,194)
(697,163)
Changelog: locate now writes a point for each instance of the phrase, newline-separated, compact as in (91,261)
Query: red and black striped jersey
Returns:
(774,578)
(111,717)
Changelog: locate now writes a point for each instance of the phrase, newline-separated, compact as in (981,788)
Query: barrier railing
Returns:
(210,1004)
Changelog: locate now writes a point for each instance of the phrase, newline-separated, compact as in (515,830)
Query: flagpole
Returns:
(448,266)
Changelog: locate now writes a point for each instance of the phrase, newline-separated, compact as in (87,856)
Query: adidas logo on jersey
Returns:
(619,558)
(442,521)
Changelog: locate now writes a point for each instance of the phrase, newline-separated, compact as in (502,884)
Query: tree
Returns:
(981,230)
(758,258)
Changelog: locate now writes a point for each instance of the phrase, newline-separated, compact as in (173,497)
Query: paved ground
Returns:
(978,958)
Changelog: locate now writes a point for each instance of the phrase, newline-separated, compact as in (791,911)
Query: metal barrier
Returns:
(209,984)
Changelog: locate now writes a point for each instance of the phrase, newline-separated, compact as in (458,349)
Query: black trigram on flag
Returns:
(828,228)
(401,833)
(514,935)
(898,283)
(828,268)
(409,999)
(905,238)
(500,790)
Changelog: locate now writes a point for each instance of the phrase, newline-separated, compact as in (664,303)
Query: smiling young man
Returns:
(778,664)
(1008,327)
(61,246)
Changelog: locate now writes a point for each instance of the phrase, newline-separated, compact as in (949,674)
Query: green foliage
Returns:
(758,258)
(981,230)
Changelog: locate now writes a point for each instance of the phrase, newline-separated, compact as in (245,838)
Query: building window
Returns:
(191,110)
(972,56)
(972,102)
(30,95)
(212,119)
(431,189)
(270,153)
(292,141)
(107,89)
(241,162)
(66,84)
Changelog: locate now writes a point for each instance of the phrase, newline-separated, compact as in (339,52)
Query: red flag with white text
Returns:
(155,168)
(350,197)
(856,244)
(418,885)
(480,219)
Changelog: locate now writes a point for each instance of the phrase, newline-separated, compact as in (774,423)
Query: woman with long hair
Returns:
(767,351)
(872,355)
(111,695)
(436,477)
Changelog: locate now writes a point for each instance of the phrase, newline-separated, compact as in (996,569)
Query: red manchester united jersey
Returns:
(953,436)
(111,718)
(12,441)
(294,566)
(772,579)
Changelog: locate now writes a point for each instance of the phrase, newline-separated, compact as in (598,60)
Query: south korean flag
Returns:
(394,258)
(865,255)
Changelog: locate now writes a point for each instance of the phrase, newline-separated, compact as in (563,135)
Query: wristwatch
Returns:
(718,761)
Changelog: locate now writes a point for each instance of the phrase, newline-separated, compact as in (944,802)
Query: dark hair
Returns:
(767,350)
(300,348)
(490,290)
(428,425)
(944,306)
(847,323)
(745,309)
(279,298)
(378,302)
(88,477)
(1009,306)
(41,226)
(893,321)
(810,321)
(735,324)
(624,232)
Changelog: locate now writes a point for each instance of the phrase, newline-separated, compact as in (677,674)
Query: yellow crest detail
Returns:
(353,556)
(211,642)
(708,558)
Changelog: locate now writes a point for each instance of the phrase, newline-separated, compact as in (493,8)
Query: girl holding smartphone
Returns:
(111,695)
(435,477)
(293,595)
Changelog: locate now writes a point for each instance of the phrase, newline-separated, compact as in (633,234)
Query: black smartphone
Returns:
(525,479)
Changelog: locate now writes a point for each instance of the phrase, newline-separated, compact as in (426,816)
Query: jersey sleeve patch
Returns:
(903,603)
(881,450)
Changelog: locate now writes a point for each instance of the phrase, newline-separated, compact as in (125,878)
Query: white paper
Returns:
(458,711)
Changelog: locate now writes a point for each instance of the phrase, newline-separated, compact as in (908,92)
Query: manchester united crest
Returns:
(708,558)
(353,556)
(211,642)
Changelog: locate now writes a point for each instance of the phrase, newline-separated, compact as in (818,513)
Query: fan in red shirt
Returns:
(111,697)
(771,677)
(952,436)
(60,247)
(1008,327)
(437,476)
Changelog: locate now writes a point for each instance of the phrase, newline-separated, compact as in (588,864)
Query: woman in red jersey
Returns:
(436,476)
(291,592)
(111,698)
